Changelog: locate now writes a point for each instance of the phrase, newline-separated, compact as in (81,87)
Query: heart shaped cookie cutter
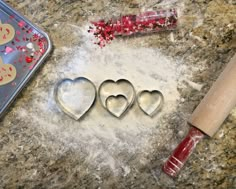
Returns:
(150,102)
(117,105)
(113,94)
(75,97)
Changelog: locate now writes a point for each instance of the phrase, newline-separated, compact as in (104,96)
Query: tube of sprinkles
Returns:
(151,21)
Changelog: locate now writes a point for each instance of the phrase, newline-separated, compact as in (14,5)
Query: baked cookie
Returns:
(7,33)
(7,73)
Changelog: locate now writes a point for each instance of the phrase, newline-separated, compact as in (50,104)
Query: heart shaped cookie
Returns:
(7,73)
(75,97)
(150,102)
(117,105)
(111,88)
(7,33)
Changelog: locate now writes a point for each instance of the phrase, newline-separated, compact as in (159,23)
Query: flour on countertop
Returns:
(99,135)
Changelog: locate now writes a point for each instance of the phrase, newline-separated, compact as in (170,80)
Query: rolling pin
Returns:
(206,118)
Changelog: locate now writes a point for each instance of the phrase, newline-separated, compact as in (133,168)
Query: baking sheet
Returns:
(26,52)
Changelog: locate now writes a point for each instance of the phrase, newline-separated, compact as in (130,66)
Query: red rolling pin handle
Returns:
(180,155)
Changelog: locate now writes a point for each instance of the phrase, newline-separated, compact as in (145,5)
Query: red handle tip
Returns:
(180,155)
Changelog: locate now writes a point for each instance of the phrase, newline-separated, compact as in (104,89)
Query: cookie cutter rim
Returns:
(71,115)
(158,108)
(117,81)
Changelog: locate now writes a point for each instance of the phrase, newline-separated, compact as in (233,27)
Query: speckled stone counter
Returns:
(32,157)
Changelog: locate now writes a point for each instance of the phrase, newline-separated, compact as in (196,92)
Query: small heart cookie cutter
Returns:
(110,92)
(117,105)
(150,102)
(67,99)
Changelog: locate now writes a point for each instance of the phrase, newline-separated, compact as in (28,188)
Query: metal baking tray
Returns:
(25,52)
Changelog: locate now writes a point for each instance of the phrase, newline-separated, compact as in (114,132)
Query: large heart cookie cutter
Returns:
(111,93)
(150,102)
(75,97)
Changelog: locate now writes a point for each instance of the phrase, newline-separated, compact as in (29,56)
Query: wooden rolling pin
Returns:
(207,117)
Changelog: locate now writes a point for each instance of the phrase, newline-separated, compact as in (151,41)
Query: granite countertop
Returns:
(42,148)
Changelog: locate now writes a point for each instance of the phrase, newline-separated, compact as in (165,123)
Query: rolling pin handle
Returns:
(180,155)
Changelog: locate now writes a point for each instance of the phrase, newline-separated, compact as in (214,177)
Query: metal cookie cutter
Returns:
(116,96)
(75,97)
(150,102)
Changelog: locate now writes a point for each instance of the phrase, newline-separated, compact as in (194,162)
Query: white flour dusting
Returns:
(99,135)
